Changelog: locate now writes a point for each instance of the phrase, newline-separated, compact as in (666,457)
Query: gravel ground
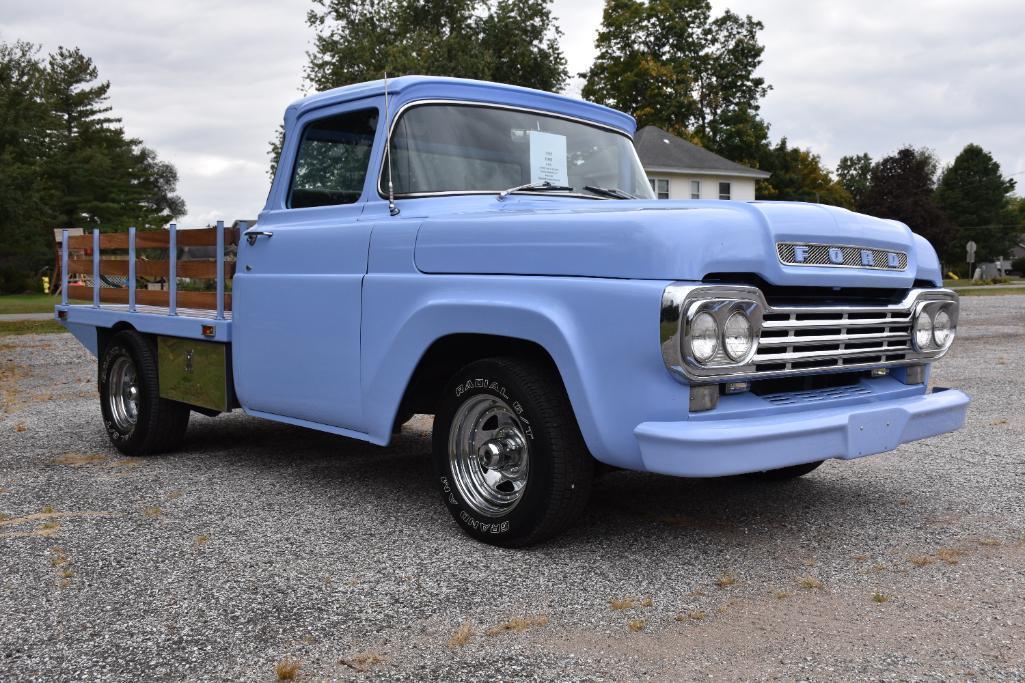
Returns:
(262,543)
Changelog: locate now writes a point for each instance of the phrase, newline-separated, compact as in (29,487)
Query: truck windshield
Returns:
(457,148)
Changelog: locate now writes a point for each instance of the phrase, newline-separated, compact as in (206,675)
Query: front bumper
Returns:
(715,448)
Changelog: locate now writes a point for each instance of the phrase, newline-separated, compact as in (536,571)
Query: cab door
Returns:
(298,283)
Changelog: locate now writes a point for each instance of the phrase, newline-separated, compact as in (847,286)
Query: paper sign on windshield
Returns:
(548,158)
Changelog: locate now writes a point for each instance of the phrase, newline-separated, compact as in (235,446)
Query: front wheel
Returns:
(512,464)
(137,420)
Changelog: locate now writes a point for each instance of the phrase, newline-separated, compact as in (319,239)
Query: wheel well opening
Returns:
(446,355)
(103,335)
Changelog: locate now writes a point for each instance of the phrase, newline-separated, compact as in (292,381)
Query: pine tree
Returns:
(974,194)
(23,246)
(97,175)
(65,161)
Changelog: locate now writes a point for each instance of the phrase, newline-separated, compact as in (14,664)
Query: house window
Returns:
(695,189)
(724,190)
(660,187)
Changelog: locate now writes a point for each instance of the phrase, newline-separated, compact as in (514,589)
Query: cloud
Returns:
(871,76)
(205,82)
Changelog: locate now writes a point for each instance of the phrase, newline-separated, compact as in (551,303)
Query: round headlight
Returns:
(923,331)
(942,329)
(703,337)
(738,336)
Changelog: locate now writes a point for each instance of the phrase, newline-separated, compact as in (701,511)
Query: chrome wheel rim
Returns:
(123,394)
(488,455)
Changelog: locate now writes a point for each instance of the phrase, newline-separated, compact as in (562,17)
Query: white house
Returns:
(678,169)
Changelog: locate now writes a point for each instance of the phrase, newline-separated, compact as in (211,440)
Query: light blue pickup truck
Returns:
(494,256)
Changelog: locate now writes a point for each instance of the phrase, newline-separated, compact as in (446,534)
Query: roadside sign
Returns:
(970,248)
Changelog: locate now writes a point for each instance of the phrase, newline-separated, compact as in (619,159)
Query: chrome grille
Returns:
(812,338)
(851,257)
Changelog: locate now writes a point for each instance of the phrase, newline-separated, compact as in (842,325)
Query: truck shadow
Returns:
(400,478)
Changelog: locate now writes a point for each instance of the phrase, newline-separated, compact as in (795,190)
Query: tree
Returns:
(742,136)
(22,202)
(672,64)
(974,195)
(507,41)
(855,174)
(1016,216)
(98,176)
(66,162)
(901,187)
(798,175)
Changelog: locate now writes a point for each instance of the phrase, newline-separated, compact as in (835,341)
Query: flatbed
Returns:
(83,319)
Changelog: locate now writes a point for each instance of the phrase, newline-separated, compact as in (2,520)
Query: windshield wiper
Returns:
(613,192)
(534,187)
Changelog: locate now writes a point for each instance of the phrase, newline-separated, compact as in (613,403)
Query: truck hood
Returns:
(663,240)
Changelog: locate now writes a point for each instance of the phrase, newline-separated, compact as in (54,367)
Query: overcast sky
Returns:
(205,82)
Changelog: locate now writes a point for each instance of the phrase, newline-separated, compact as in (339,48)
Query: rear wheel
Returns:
(512,464)
(137,420)
(784,473)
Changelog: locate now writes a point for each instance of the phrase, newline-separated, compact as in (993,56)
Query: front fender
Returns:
(601,333)
(928,262)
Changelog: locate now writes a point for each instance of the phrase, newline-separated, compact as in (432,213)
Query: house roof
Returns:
(665,152)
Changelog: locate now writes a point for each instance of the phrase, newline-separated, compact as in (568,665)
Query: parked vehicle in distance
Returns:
(494,256)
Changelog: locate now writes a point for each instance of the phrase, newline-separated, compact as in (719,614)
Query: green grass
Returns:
(9,328)
(965,282)
(28,303)
(1006,291)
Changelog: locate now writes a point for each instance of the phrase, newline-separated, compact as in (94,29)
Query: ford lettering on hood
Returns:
(783,243)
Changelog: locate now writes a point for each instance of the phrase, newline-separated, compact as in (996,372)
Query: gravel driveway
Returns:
(263,547)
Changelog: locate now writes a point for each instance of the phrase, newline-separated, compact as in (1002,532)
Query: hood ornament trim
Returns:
(840,256)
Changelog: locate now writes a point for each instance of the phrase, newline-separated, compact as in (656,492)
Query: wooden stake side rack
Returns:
(218,269)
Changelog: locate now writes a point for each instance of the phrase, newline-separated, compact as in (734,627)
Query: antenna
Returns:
(392,209)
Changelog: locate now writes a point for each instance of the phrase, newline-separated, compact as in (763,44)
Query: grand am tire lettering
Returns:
(484,527)
(448,491)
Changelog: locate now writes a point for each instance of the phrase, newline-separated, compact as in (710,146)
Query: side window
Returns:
(333,157)
(695,189)
(724,190)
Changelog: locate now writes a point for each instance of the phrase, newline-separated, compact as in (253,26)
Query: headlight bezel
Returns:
(681,306)
(929,309)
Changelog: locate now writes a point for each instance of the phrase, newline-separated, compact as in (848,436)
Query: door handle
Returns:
(251,235)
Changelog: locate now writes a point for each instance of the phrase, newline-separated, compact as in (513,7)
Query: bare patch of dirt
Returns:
(50,522)
(80,459)
(767,638)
